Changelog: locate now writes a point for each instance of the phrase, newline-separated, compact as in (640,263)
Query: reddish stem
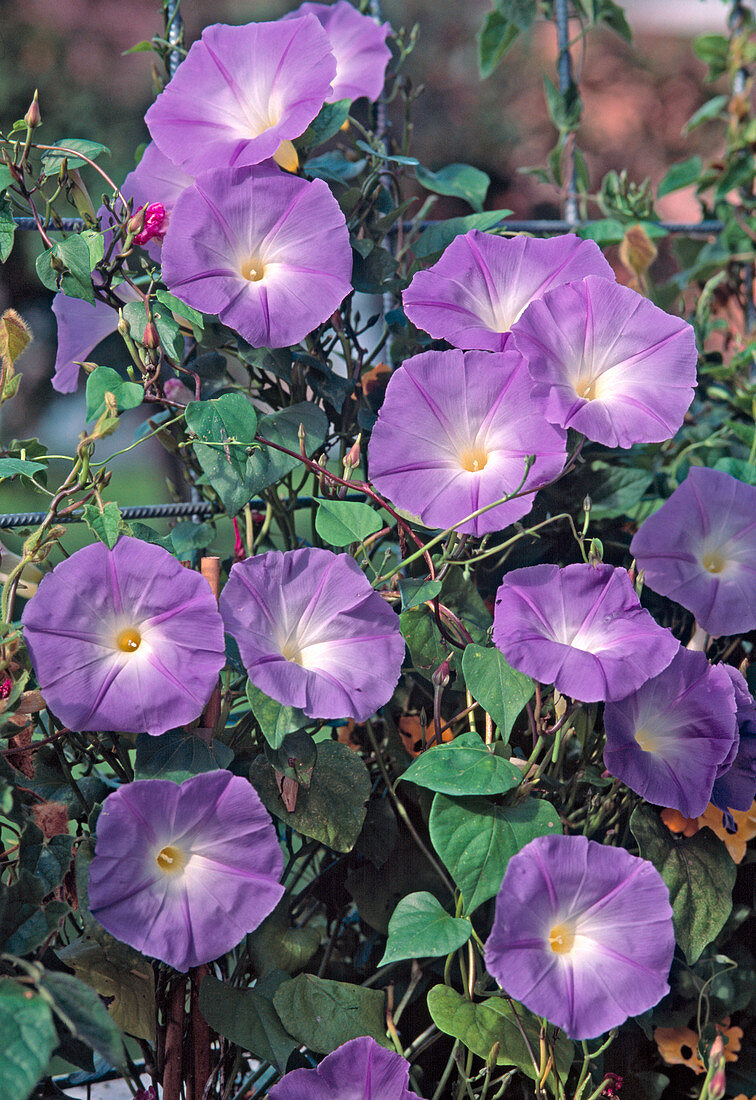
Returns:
(201,1037)
(174,1041)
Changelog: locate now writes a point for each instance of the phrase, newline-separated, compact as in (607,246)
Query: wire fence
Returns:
(174,29)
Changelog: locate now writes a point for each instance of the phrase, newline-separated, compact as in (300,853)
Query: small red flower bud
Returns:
(135,224)
(33,117)
(442,675)
(150,336)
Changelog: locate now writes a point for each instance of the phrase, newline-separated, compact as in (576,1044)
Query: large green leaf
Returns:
(53,158)
(416,591)
(276,945)
(333,809)
(67,266)
(10,467)
(83,1013)
(480,1025)
(47,860)
(102,380)
(498,688)
(461,181)
(427,647)
(225,429)
(276,720)
(28,1039)
(495,38)
(175,305)
(463,766)
(378,890)
(435,238)
(680,175)
(105,523)
(475,839)
(25,922)
(420,926)
(267,465)
(699,874)
(177,755)
(342,522)
(322,1014)
(614,490)
(248,1018)
(329,121)
(118,973)
(7,231)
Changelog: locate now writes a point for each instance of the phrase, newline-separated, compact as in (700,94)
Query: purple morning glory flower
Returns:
(453,434)
(313,633)
(124,639)
(81,327)
(183,872)
(580,628)
(477,290)
(666,740)
(582,934)
(241,92)
(699,549)
(358,44)
(608,362)
(357,1070)
(735,785)
(265,251)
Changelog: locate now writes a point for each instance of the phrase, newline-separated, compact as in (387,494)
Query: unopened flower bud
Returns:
(595,552)
(79,196)
(717,1083)
(33,117)
(442,675)
(135,224)
(150,336)
(352,457)
(123,327)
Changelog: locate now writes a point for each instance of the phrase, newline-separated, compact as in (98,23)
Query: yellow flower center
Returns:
(171,860)
(647,740)
(129,639)
(253,269)
(292,652)
(714,562)
(587,388)
(473,459)
(561,939)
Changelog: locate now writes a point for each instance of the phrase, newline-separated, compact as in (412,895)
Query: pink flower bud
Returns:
(352,457)
(135,224)
(155,223)
(150,336)
(442,675)
(33,117)
(717,1082)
